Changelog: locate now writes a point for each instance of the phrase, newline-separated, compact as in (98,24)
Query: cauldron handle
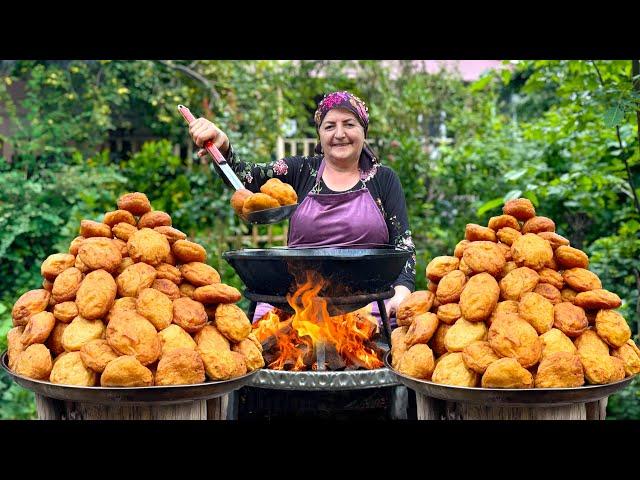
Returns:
(385,322)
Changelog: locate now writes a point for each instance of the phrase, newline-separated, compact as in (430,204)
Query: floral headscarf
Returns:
(348,101)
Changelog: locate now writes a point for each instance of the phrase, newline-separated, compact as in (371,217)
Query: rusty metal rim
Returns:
(509,397)
(323,380)
(154,395)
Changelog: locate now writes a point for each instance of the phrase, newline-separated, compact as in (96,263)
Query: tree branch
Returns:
(196,76)
(624,159)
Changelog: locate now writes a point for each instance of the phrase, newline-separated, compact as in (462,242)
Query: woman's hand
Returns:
(202,130)
(402,292)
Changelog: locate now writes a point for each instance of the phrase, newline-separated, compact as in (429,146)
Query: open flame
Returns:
(311,339)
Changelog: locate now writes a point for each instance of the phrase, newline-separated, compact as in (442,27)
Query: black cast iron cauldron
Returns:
(349,271)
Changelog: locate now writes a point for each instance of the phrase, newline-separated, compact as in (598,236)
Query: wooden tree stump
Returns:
(433,409)
(52,409)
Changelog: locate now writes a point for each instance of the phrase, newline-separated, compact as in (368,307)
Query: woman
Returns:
(345,196)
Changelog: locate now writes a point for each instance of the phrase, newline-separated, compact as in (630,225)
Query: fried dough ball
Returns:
(422,329)
(186,251)
(100,253)
(219,364)
(569,257)
(551,277)
(521,208)
(75,245)
(414,304)
(449,313)
(503,221)
(66,285)
(477,356)
(460,247)
(169,272)
(474,232)
(506,252)
(463,333)
(597,299)
(238,198)
(14,345)
(253,356)
(484,256)
(124,231)
(189,314)
(451,370)
(210,338)
(560,370)
(508,268)
(182,366)
(282,192)
(232,322)
(96,354)
(34,362)
(69,369)
(590,342)
(440,266)
(570,319)
(167,287)
(200,274)
(79,264)
(129,333)
(603,369)
(508,235)
(38,328)
(549,292)
(479,297)
(96,294)
(186,290)
(171,259)
(506,306)
(172,234)
(257,202)
(417,362)
(240,364)
(581,280)
(81,331)
(217,293)
(122,246)
(554,239)
(536,310)
(555,341)
(610,326)
(568,294)
(464,268)
(506,373)
(136,203)
(630,356)
(538,224)
(154,219)
(126,371)
(156,307)
(174,337)
(89,228)
(437,341)
(65,312)
(135,278)
(29,303)
(55,264)
(531,251)
(126,262)
(118,216)
(450,287)
(148,246)
(512,336)
(398,345)
(122,304)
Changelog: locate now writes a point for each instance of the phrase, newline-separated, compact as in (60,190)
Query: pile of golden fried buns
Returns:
(273,194)
(132,304)
(515,307)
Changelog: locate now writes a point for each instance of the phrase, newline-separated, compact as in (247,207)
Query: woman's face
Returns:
(341,135)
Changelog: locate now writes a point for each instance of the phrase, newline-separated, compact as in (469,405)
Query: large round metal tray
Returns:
(156,395)
(323,380)
(508,397)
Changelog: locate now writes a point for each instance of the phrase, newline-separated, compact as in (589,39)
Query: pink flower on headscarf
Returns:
(342,100)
